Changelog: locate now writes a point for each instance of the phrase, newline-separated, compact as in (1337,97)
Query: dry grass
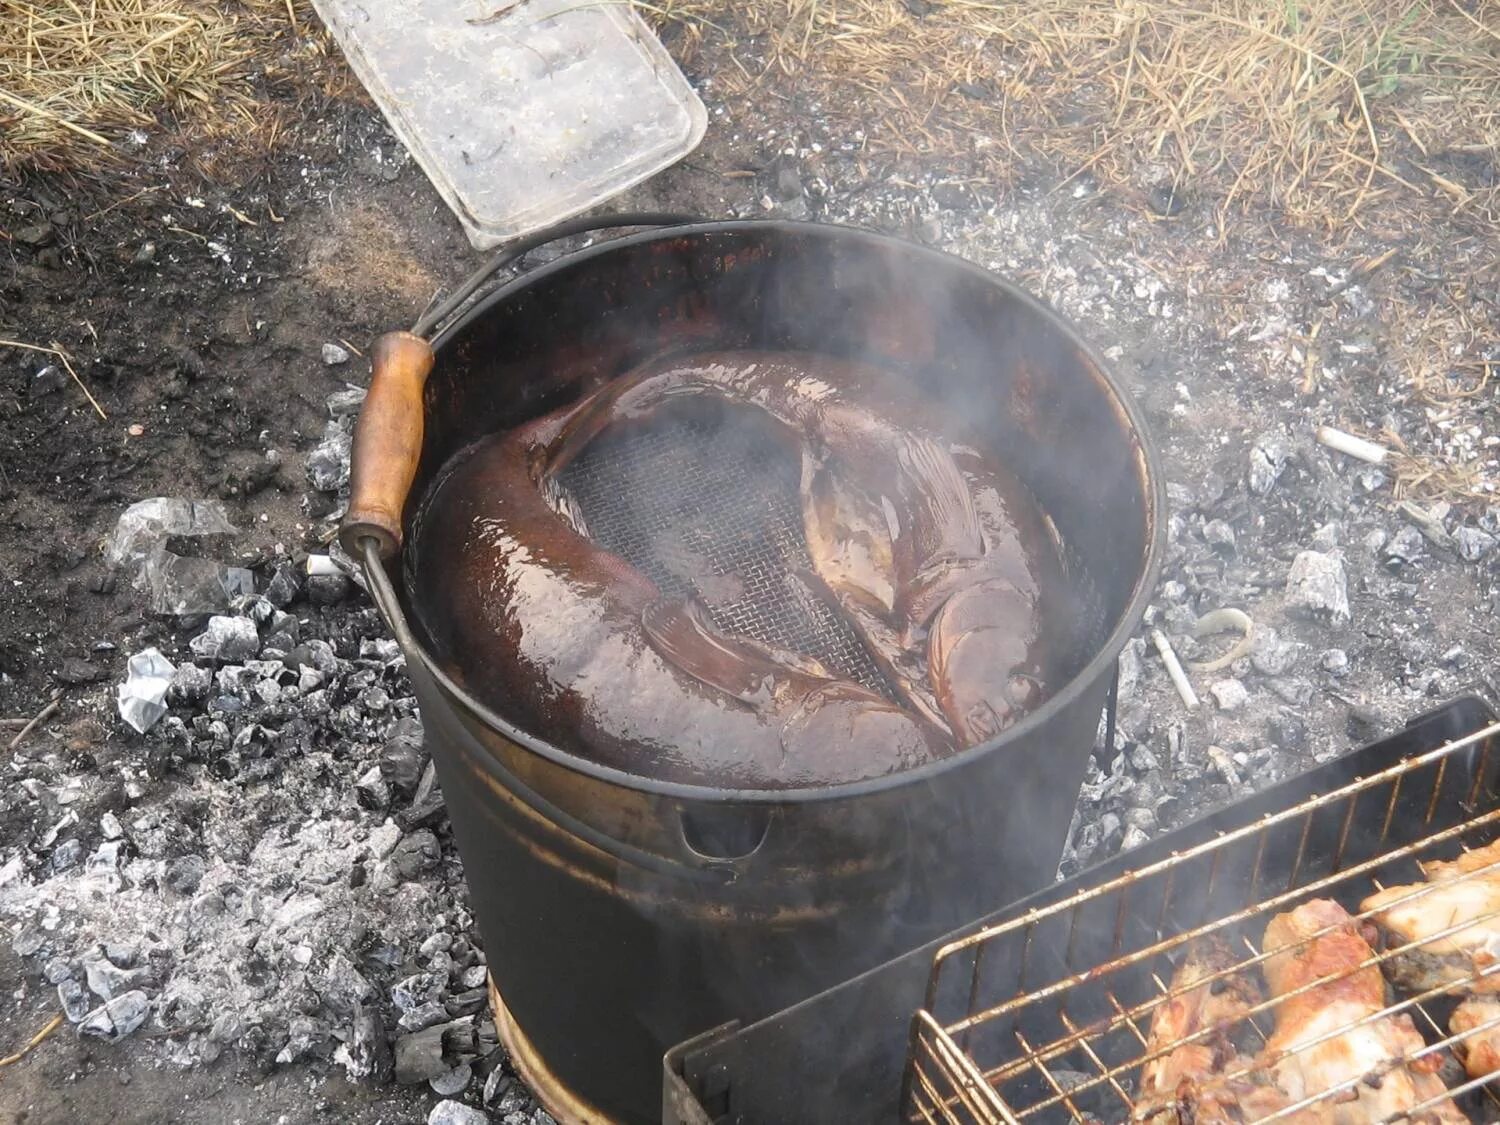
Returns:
(1297,104)
(1293,103)
(1381,114)
(77,76)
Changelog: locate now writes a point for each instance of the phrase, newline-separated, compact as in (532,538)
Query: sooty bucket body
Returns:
(621,915)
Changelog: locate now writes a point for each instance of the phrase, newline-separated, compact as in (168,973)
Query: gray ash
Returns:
(268,871)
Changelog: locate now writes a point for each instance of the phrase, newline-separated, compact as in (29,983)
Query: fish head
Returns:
(985,658)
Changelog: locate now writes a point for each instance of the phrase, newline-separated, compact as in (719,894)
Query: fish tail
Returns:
(624,398)
(682,635)
(562,501)
(940,499)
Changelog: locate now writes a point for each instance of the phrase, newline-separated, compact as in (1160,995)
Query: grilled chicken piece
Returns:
(1320,1042)
(1182,1086)
(1461,896)
(1463,891)
(1479,1049)
(1454,959)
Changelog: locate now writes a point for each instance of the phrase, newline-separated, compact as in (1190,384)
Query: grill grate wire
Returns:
(1046,1017)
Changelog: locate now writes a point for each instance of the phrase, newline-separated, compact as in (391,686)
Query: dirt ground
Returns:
(195,314)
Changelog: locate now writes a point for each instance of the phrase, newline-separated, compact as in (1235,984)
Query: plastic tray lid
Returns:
(521,112)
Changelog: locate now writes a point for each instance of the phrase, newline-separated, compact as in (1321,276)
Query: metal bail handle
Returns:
(388,436)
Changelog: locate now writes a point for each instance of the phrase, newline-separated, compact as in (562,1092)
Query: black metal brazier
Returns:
(620,914)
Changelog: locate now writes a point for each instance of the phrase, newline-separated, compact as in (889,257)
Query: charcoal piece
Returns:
(227,639)
(426,805)
(453,1081)
(184,873)
(466,1003)
(75,999)
(450,1112)
(416,853)
(327,589)
(343,988)
(117,1018)
(285,586)
(367,1052)
(403,758)
(372,790)
(426,1054)
(77,671)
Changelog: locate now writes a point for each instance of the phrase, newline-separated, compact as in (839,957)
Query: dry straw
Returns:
(1292,103)
(76,76)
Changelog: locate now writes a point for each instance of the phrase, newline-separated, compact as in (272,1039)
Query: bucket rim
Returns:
(1069,695)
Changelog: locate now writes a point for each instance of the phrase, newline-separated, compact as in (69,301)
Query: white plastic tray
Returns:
(521,113)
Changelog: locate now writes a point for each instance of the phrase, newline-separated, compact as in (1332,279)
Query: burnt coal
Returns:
(77,671)
(426,804)
(373,791)
(75,999)
(416,853)
(328,464)
(1317,584)
(436,1050)
(1473,544)
(67,854)
(403,758)
(1405,547)
(453,1081)
(185,873)
(1268,460)
(366,1051)
(342,987)
(227,639)
(1270,654)
(466,1003)
(117,1018)
(108,980)
(285,586)
(1230,695)
(327,589)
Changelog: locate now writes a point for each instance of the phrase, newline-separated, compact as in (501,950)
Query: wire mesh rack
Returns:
(705,501)
(703,504)
(1343,952)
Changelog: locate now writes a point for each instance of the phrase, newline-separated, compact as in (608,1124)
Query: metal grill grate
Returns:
(1049,1017)
(704,503)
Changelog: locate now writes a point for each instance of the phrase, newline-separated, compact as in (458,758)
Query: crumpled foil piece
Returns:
(142,697)
(177,585)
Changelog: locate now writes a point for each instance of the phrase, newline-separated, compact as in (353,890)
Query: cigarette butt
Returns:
(1356,447)
(322,564)
(1174,669)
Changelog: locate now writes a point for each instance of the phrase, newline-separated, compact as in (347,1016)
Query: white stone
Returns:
(451,1082)
(1317,584)
(449,1112)
(1230,695)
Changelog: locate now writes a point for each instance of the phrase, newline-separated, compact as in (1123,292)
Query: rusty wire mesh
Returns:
(1049,1016)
